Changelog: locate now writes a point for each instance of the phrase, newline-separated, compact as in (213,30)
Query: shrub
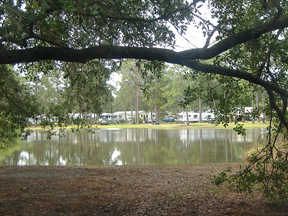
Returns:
(267,171)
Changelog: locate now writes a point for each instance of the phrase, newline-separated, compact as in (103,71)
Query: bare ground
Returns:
(125,190)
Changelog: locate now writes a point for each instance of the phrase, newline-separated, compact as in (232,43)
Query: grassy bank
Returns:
(247,125)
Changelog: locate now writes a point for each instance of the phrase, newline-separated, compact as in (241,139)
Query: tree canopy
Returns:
(248,41)
(79,31)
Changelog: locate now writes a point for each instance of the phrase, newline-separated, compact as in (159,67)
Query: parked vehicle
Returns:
(194,117)
(155,122)
(104,122)
(168,120)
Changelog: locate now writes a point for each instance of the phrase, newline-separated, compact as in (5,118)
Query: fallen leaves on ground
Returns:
(124,190)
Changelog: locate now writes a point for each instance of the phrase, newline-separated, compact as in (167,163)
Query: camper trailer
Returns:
(194,117)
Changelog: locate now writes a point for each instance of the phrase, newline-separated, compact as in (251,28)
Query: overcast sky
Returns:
(194,40)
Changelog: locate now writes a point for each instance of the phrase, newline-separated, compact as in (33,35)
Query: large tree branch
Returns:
(84,55)
(237,39)
(186,58)
(107,52)
(281,114)
(118,52)
(206,68)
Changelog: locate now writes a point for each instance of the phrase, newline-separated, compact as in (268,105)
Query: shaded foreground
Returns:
(127,190)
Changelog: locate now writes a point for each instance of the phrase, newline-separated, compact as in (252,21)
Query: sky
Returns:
(193,35)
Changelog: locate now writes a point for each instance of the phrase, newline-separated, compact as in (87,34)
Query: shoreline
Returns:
(174,126)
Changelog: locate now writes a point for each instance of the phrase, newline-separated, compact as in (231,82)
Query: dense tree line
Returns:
(182,89)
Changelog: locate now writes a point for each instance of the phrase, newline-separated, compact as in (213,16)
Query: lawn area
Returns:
(247,125)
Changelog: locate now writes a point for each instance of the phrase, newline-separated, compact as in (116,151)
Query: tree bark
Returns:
(131,105)
(263,107)
(187,117)
(243,114)
(257,105)
(125,114)
(118,52)
(108,52)
(151,113)
(155,108)
(155,101)
(136,104)
(252,98)
(200,109)
(36,89)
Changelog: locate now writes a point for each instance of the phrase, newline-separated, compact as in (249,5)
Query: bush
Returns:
(267,171)
(45,123)
(140,120)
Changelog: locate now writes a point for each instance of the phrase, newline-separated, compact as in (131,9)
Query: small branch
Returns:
(138,19)
(267,58)
(211,35)
(205,21)
(276,108)
(15,103)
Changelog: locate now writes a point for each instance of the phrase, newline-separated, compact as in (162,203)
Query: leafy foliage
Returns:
(267,171)
(17,106)
(64,22)
(267,168)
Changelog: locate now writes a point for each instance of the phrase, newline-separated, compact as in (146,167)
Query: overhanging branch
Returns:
(206,68)
(187,58)
(118,52)
(107,52)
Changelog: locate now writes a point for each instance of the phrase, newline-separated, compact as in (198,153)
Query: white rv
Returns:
(194,117)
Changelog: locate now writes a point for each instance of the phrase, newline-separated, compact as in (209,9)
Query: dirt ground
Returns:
(123,190)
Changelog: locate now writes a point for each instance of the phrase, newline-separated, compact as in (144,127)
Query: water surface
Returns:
(132,147)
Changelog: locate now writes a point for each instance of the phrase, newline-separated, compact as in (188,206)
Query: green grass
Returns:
(247,125)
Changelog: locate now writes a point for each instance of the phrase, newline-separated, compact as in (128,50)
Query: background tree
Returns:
(88,89)
(122,98)
(133,86)
(18,104)
(174,88)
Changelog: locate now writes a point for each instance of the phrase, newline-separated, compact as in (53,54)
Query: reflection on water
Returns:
(132,147)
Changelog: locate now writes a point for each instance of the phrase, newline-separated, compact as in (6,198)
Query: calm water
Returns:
(132,147)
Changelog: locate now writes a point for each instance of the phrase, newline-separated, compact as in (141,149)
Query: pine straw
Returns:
(125,190)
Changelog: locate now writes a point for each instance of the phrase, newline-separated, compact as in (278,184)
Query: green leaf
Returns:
(68,6)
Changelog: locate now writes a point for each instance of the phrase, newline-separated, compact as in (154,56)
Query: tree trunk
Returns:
(58,94)
(214,101)
(243,114)
(200,109)
(226,120)
(137,104)
(131,106)
(125,115)
(36,90)
(151,113)
(187,117)
(85,112)
(252,110)
(263,106)
(155,100)
(155,108)
(257,104)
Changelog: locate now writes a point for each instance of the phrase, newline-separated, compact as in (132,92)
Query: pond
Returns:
(108,147)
